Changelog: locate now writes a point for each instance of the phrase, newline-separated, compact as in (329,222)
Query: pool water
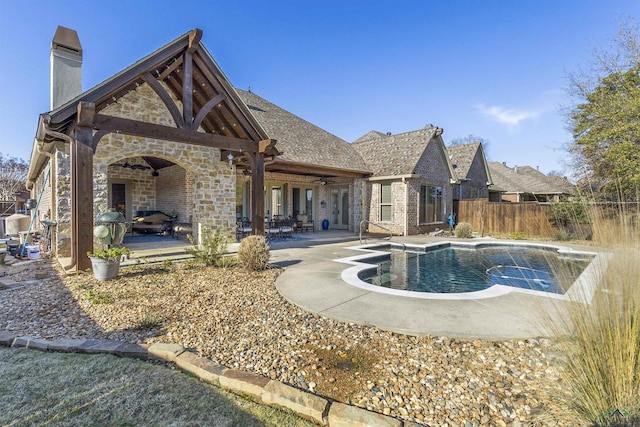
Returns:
(456,270)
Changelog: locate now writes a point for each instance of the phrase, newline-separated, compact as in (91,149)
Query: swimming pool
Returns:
(470,270)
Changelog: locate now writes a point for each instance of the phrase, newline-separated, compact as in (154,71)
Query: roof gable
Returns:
(372,134)
(214,102)
(463,157)
(400,154)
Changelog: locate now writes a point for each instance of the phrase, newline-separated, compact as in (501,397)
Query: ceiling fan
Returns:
(128,165)
(323,180)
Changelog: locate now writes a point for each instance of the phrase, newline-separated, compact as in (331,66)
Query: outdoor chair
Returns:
(287,227)
(243,228)
(304,223)
(182,228)
(271,229)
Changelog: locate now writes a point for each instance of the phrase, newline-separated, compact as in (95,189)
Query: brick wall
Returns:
(174,192)
(477,177)
(432,170)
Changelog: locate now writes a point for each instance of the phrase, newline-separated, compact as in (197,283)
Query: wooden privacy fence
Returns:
(501,218)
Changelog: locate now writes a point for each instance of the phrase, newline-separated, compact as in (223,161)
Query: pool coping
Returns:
(312,280)
(581,290)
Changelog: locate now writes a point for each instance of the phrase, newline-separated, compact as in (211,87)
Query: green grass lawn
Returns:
(58,389)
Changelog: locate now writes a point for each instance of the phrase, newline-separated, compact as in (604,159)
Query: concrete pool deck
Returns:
(312,280)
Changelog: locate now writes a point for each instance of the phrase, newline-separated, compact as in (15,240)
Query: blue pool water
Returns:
(455,269)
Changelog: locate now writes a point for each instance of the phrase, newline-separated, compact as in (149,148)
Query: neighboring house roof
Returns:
(525,179)
(390,155)
(372,134)
(299,141)
(462,157)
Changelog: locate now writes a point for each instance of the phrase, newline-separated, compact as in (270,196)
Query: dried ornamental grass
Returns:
(602,353)
(254,253)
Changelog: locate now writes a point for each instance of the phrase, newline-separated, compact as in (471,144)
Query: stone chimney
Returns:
(66,67)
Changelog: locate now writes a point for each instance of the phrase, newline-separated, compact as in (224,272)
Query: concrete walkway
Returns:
(312,280)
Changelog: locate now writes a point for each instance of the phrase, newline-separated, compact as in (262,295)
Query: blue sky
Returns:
(493,69)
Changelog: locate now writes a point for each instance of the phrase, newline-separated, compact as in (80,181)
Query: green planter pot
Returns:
(105,269)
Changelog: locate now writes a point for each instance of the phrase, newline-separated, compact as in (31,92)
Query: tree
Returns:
(606,121)
(13,176)
(470,140)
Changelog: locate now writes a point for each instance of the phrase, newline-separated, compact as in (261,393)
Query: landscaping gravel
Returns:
(238,319)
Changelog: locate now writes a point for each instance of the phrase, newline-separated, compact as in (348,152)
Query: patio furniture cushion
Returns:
(154,223)
(183,228)
(304,223)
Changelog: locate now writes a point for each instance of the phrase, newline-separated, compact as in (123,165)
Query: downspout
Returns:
(52,174)
(406,205)
(67,138)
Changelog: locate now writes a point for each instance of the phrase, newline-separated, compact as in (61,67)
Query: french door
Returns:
(340,207)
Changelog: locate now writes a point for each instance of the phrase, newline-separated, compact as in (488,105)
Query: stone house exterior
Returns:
(132,143)
(171,133)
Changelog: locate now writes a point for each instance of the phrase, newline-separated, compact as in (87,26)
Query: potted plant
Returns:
(106,262)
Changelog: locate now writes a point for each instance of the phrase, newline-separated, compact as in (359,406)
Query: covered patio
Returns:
(176,106)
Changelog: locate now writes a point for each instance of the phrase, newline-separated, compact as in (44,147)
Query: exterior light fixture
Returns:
(230,157)
(323,204)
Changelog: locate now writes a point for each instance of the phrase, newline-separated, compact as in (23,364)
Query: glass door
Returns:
(275,200)
(120,197)
(340,207)
(302,198)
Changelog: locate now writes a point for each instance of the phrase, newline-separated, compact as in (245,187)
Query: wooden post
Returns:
(82,186)
(257,193)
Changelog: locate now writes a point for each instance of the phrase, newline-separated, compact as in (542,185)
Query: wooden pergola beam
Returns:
(103,122)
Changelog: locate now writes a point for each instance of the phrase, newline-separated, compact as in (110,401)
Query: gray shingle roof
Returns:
(301,141)
(462,157)
(394,154)
(372,134)
(525,179)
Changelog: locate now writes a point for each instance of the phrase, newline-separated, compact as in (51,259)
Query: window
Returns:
(475,192)
(385,202)
(242,198)
(276,201)
(430,204)
(308,202)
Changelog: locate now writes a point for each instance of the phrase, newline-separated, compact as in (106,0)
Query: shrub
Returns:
(569,212)
(517,235)
(463,230)
(212,248)
(561,234)
(110,254)
(254,253)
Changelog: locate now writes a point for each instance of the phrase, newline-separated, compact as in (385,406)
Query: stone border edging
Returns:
(263,390)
